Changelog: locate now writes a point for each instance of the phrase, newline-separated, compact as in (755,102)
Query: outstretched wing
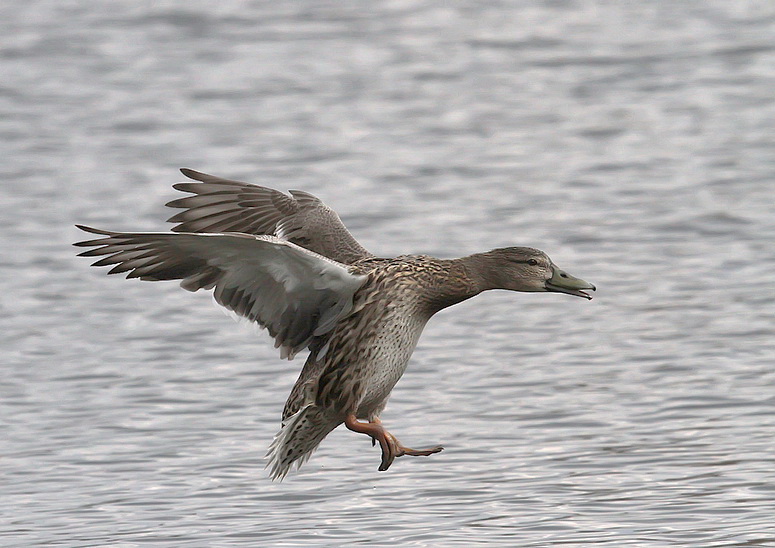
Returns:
(295,293)
(220,205)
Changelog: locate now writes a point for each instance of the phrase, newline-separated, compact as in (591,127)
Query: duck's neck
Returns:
(456,281)
(479,271)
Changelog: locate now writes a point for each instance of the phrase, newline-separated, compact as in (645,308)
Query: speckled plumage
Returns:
(359,362)
(289,264)
(353,369)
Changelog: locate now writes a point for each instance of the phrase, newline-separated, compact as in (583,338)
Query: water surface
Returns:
(632,142)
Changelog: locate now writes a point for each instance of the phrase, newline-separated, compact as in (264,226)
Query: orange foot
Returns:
(391,447)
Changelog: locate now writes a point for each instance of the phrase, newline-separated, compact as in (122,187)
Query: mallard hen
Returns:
(288,263)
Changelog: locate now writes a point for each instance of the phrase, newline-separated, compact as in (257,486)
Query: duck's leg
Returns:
(391,447)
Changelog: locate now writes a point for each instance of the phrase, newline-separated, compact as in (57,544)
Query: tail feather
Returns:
(298,438)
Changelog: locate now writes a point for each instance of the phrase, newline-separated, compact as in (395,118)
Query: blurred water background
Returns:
(632,141)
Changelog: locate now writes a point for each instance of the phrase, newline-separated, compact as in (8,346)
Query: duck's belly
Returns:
(393,346)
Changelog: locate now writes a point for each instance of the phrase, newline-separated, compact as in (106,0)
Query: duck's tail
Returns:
(299,436)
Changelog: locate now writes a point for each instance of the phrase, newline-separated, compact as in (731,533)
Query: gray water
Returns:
(632,141)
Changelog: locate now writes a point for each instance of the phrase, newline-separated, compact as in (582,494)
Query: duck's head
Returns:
(527,269)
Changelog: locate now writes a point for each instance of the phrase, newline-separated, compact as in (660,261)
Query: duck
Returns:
(289,264)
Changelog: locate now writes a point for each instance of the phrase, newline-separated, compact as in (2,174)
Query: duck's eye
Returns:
(532,262)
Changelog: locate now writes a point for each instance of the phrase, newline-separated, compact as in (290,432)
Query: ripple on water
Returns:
(136,414)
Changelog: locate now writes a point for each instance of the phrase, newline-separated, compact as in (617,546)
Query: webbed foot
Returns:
(391,447)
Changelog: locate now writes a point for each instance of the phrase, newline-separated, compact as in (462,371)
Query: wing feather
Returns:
(293,292)
(221,205)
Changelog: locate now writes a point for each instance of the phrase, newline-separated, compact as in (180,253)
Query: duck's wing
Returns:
(295,293)
(220,205)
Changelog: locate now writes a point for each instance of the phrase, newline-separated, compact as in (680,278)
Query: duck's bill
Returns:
(562,282)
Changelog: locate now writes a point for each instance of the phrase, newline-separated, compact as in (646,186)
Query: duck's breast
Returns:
(391,346)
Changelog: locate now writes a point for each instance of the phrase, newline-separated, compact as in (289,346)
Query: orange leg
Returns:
(391,447)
